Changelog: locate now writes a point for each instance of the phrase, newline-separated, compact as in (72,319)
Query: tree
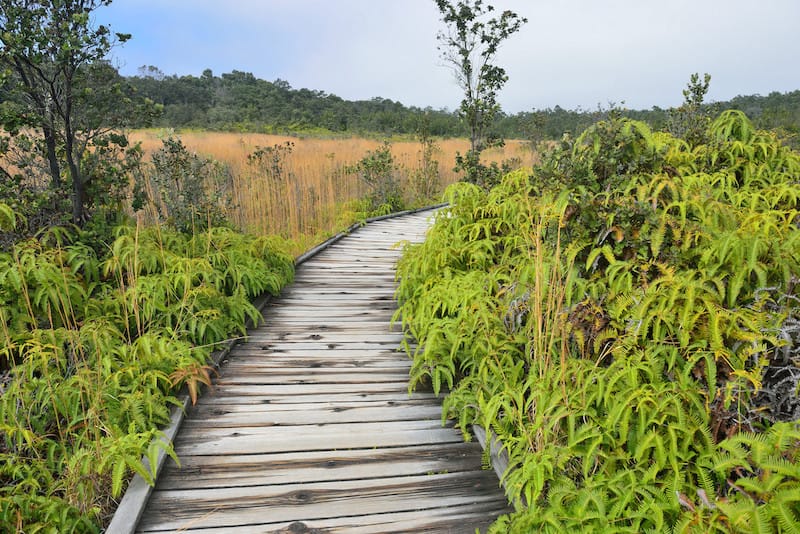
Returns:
(60,102)
(690,121)
(468,46)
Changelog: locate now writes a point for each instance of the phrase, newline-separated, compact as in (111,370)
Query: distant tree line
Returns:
(240,101)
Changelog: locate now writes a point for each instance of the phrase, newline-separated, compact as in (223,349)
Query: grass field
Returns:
(313,195)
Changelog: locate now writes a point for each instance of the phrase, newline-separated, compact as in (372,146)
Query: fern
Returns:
(612,318)
(97,346)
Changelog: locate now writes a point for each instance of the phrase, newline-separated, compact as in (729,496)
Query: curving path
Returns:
(310,427)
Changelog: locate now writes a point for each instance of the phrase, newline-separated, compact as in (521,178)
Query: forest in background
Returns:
(239,101)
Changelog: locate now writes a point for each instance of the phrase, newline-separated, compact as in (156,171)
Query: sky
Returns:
(577,54)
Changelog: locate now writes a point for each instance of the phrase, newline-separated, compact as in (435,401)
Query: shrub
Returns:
(379,171)
(94,349)
(624,321)
(188,192)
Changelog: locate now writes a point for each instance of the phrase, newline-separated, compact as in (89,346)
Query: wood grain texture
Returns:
(310,426)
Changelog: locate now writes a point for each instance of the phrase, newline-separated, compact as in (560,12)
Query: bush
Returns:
(378,170)
(94,348)
(625,321)
(189,192)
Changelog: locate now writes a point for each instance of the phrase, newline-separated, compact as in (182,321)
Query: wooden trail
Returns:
(310,427)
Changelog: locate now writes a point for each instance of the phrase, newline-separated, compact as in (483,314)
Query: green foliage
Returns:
(625,322)
(690,120)
(190,192)
(94,349)
(378,170)
(238,101)
(424,181)
(271,161)
(469,46)
(61,99)
(8,218)
(477,172)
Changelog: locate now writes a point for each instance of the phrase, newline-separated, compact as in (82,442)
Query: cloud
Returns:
(571,52)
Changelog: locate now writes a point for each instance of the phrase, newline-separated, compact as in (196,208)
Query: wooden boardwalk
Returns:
(310,427)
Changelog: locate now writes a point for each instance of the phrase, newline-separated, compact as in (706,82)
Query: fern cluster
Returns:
(94,348)
(615,318)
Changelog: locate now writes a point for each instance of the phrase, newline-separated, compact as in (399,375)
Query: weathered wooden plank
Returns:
(339,292)
(352,256)
(333,308)
(323,336)
(332,312)
(233,416)
(344,351)
(348,301)
(314,349)
(344,281)
(312,359)
(383,283)
(385,345)
(329,383)
(305,317)
(317,377)
(220,408)
(255,440)
(387,276)
(284,396)
(300,324)
(217,507)
(346,319)
(385,290)
(351,268)
(355,349)
(256,390)
(453,519)
(319,466)
(257,363)
(327,301)
(319,321)
(312,341)
(350,259)
(283,370)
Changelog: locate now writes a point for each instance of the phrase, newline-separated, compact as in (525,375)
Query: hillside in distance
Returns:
(238,101)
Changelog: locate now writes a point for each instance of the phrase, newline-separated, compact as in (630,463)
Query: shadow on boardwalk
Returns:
(310,427)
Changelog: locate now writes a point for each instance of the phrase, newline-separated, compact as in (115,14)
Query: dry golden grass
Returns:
(316,197)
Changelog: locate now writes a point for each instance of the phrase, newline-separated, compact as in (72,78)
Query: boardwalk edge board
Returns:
(497,455)
(130,508)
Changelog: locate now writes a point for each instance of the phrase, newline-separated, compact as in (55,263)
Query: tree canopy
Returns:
(239,101)
(61,96)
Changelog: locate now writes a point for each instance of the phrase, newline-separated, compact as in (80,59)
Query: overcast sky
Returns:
(572,53)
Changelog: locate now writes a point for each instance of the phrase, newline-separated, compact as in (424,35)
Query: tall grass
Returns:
(313,194)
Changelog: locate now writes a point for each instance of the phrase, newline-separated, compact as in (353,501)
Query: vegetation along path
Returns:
(310,427)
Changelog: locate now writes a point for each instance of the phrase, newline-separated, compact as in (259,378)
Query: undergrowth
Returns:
(95,346)
(625,321)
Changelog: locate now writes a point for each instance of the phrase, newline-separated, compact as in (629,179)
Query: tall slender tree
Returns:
(48,48)
(469,45)
(691,119)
